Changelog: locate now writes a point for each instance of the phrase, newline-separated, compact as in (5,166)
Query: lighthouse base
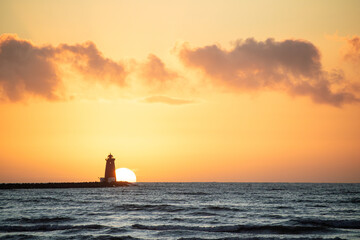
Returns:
(110,179)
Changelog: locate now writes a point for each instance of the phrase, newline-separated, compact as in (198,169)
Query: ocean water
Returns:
(184,211)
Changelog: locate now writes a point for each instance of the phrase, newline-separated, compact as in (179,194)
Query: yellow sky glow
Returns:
(171,117)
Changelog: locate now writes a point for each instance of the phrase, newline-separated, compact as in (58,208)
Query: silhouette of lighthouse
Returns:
(109,170)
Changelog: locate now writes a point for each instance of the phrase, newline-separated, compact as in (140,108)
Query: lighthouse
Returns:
(110,175)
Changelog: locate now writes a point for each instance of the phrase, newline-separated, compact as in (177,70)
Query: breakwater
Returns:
(63,185)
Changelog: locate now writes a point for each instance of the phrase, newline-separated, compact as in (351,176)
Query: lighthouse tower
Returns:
(109,170)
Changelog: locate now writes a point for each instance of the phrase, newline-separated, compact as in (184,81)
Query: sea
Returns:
(184,211)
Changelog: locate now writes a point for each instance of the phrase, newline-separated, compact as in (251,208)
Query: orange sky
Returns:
(250,91)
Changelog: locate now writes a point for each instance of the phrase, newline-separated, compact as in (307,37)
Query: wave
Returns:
(19,237)
(262,238)
(47,227)
(346,224)
(128,237)
(39,199)
(223,208)
(283,207)
(107,237)
(77,237)
(190,193)
(151,207)
(353,200)
(268,229)
(203,213)
(210,209)
(40,219)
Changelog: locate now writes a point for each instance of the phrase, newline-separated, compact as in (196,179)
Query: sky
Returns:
(180,91)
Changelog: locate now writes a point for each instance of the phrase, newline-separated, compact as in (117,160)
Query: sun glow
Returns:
(125,175)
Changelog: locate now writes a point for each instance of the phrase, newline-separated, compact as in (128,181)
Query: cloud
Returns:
(166,100)
(353,54)
(292,65)
(154,77)
(154,71)
(27,69)
(320,93)
(90,62)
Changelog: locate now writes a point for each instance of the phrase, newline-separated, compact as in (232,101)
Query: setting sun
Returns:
(125,175)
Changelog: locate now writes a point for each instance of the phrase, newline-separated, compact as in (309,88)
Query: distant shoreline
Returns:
(63,185)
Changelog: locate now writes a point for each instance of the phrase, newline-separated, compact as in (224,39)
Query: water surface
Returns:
(184,211)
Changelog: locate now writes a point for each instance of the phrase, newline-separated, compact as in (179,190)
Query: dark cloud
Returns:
(353,53)
(320,93)
(290,65)
(166,100)
(26,69)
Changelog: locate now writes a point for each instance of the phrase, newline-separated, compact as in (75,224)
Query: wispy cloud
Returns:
(155,72)
(353,54)
(90,62)
(292,65)
(166,100)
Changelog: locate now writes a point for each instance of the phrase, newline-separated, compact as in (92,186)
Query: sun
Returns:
(125,175)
